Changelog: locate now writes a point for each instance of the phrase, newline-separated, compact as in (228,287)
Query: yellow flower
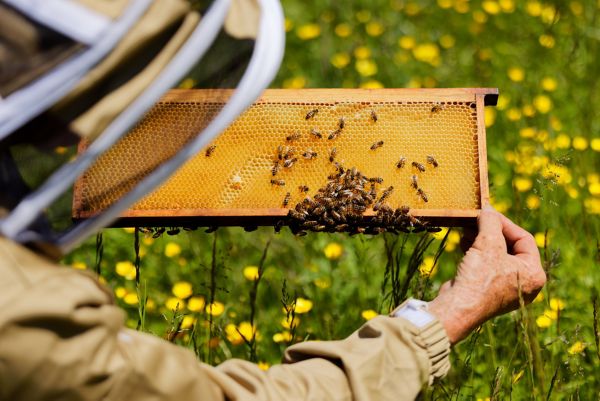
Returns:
(232,334)
(551,314)
(516,74)
(148,241)
(523,184)
(150,304)
(592,205)
(308,31)
(563,141)
(60,150)
(120,292)
(131,298)
(594,189)
(534,8)
(303,305)
(322,282)
(453,241)
(129,230)
(125,269)
(374,28)
(289,24)
(297,82)
(371,84)
(576,8)
(480,17)
(182,289)
(196,304)
(173,304)
(215,309)
(549,14)
(593,178)
(427,53)
(543,321)
(251,273)
(461,6)
(542,103)
(445,4)
(188,321)
(557,304)
(528,110)
(172,249)
(340,60)
(263,365)
(440,234)
(343,30)
(285,336)
(368,314)
(78,265)
(527,132)
(412,9)
(491,7)
(247,330)
(447,41)
(595,144)
(549,84)
(580,143)
(490,116)
(540,238)
(333,251)
(533,202)
(508,6)
(547,41)
(366,68)
(539,297)
(362,52)
(576,348)
(427,267)
(286,322)
(407,42)
(363,16)
(513,114)
(517,376)
(187,83)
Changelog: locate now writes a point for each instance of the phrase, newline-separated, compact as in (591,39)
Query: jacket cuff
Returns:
(433,339)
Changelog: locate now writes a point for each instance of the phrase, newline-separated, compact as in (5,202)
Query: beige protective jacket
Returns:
(62,338)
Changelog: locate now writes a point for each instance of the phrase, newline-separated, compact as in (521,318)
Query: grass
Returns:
(543,146)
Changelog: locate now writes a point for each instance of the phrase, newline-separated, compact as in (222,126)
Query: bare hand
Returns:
(502,263)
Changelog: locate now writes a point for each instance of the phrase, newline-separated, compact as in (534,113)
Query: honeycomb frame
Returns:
(412,123)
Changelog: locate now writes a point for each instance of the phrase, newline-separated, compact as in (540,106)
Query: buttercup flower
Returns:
(333,251)
(516,74)
(368,314)
(340,60)
(427,53)
(542,103)
(371,84)
(303,305)
(251,273)
(576,348)
(174,303)
(343,30)
(428,268)
(172,249)
(215,309)
(196,304)
(182,289)
(308,31)
(125,269)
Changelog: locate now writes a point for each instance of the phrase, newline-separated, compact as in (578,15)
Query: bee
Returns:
(296,215)
(334,134)
(311,113)
(414,183)
(249,229)
(173,231)
(374,116)
(158,232)
(342,123)
(210,150)
(422,194)
(402,162)
(418,166)
(431,160)
(280,152)
(376,145)
(278,226)
(404,209)
(377,180)
(287,198)
(386,193)
(211,229)
(290,162)
(437,108)
(309,154)
(315,133)
(275,168)
(293,137)
(303,188)
(332,154)
(300,233)
(289,152)
(279,183)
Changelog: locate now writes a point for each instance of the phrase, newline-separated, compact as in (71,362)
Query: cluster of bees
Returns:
(339,206)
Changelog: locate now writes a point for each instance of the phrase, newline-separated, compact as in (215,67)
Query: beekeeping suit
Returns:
(72,69)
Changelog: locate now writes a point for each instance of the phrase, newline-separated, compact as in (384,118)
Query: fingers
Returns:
(490,230)
(521,241)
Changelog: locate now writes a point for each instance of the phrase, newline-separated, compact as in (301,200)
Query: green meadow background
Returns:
(250,294)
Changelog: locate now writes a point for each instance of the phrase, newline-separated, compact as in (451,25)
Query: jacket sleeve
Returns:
(61,337)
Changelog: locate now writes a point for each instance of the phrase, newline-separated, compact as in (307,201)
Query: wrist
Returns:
(459,319)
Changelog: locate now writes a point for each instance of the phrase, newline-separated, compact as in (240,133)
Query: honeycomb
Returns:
(237,171)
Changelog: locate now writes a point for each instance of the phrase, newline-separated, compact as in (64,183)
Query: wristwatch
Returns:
(415,311)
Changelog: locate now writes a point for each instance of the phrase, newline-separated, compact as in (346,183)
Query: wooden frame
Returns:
(269,216)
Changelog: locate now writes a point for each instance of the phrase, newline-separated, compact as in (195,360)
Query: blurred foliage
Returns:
(543,147)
